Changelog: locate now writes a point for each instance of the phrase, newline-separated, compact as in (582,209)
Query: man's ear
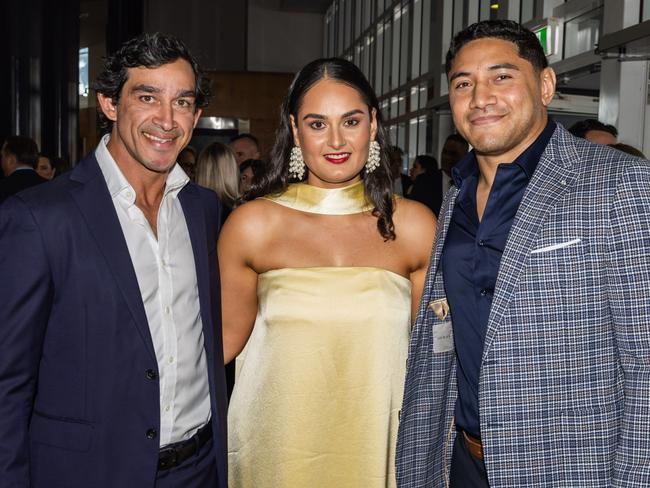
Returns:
(294,130)
(197,116)
(108,106)
(547,80)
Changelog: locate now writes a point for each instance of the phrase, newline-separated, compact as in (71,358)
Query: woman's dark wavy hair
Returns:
(526,41)
(378,183)
(147,51)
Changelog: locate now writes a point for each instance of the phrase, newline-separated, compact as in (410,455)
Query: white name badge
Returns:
(443,337)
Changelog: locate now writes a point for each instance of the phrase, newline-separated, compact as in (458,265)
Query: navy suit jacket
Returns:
(76,401)
(19,180)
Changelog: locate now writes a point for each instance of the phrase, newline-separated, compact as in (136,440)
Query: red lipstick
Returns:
(337,158)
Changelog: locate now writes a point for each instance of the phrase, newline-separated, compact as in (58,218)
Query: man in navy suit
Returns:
(111,363)
(18,158)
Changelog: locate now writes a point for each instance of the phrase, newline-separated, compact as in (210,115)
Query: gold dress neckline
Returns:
(326,201)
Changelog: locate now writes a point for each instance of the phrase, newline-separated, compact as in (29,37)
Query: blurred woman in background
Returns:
(217,169)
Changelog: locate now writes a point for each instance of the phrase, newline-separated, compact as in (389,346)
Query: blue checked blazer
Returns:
(564,389)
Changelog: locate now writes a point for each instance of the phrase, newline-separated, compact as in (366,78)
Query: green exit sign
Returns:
(545,39)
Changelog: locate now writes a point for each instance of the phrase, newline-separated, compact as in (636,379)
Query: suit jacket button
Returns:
(151,374)
(152,434)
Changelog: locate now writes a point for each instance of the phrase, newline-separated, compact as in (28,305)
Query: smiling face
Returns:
(333,128)
(153,119)
(498,99)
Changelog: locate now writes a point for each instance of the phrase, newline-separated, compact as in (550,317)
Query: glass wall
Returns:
(581,33)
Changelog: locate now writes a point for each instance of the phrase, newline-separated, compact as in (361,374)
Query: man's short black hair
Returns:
(256,166)
(526,41)
(580,128)
(459,139)
(248,136)
(148,51)
(428,163)
(24,148)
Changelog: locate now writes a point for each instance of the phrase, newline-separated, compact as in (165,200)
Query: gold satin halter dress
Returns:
(320,381)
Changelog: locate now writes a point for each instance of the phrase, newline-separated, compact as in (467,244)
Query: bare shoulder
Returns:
(413,219)
(250,224)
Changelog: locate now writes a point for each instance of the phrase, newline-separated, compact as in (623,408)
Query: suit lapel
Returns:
(94,202)
(553,177)
(195,219)
(434,287)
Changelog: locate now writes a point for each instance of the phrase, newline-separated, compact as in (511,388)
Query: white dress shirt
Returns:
(166,274)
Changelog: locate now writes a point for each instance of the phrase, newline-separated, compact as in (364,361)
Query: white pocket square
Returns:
(553,247)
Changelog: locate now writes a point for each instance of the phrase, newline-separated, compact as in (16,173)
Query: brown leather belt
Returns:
(474,445)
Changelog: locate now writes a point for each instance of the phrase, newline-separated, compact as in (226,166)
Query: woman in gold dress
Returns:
(322,270)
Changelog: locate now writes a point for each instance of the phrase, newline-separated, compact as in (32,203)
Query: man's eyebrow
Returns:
(503,66)
(458,74)
(494,67)
(152,89)
(186,93)
(145,88)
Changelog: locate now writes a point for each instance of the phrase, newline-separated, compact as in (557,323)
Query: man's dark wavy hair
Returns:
(378,184)
(148,51)
(580,128)
(526,41)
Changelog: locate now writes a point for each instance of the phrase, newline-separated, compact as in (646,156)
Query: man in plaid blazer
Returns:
(543,378)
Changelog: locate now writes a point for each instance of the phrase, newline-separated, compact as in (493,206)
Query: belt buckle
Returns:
(167,458)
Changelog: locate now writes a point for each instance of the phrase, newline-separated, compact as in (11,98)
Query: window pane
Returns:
(341,27)
(387,55)
(393,106)
(422,135)
(366,14)
(397,14)
(484,10)
(581,33)
(348,24)
(379,58)
(423,93)
(413,99)
(380,7)
(426,36)
(417,39)
(413,139)
(401,136)
(404,46)
(401,101)
(645,10)
(392,132)
(357,19)
(527,10)
(385,109)
(458,16)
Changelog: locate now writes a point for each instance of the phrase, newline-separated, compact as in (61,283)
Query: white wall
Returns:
(282,42)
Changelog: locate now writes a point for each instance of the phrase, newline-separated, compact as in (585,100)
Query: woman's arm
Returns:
(238,243)
(415,226)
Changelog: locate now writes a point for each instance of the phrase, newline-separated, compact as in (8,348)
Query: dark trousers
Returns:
(466,470)
(199,471)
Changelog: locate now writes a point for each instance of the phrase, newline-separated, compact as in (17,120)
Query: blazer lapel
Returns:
(195,219)
(94,202)
(553,177)
(434,286)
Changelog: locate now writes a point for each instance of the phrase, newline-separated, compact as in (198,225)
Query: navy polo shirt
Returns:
(471,258)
